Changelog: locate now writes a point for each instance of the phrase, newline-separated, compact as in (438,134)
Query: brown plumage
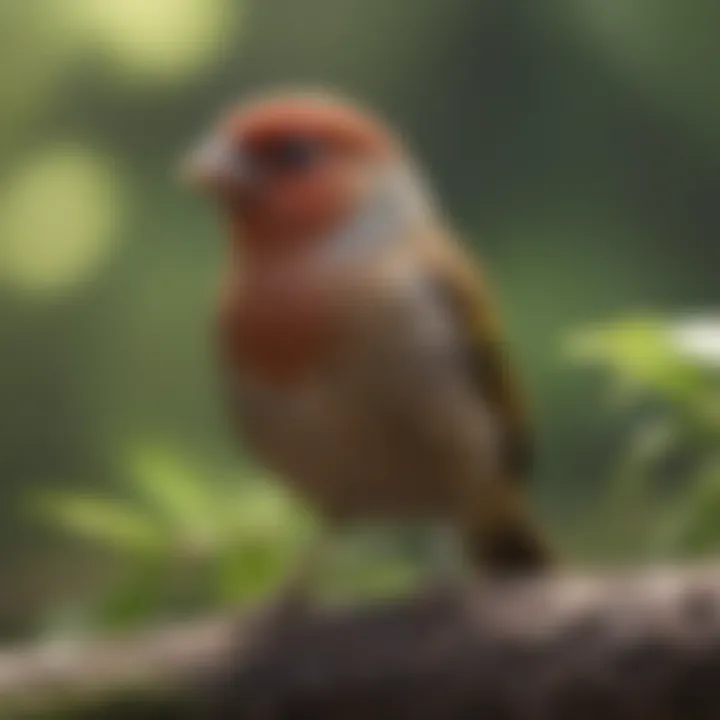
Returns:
(363,357)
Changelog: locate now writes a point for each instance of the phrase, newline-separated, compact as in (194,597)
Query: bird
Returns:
(362,356)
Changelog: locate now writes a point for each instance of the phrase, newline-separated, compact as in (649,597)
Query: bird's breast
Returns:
(280,324)
(377,427)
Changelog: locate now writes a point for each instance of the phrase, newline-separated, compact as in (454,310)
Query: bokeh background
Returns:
(575,142)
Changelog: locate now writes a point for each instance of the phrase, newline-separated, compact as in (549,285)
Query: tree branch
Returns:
(635,647)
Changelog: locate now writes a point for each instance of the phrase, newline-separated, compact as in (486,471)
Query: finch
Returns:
(362,358)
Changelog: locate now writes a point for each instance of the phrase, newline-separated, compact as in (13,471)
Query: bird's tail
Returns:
(507,544)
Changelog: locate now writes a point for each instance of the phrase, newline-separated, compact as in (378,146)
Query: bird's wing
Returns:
(459,281)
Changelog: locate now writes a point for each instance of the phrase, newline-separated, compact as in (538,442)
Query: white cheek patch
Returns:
(395,203)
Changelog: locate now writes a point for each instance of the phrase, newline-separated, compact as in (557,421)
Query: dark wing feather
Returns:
(459,280)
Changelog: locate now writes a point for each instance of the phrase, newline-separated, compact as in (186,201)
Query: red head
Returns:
(291,169)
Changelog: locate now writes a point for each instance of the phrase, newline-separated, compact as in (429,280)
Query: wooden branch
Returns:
(623,647)
(152,668)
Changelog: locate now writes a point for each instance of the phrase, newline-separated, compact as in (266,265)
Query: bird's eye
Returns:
(297,154)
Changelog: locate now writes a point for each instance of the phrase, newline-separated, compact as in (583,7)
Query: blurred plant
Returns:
(186,542)
(666,494)
(189,544)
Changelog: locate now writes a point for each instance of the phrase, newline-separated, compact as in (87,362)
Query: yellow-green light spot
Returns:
(58,217)
(154,39)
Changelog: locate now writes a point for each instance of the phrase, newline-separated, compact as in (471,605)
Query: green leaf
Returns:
(140,598)
(698,339)
(697,523)
(108,522)
(637,348)
(643,355)
(248,572)
(261,511)
(182,500)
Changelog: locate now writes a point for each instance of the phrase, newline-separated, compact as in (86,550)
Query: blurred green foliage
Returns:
(186,541)
(575,144)
(665,376)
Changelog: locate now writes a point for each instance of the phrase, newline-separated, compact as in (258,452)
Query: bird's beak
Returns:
(216,164)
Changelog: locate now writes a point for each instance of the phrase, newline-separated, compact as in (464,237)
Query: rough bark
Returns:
(633,647)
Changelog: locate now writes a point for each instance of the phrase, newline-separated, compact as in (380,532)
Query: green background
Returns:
(576,143)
